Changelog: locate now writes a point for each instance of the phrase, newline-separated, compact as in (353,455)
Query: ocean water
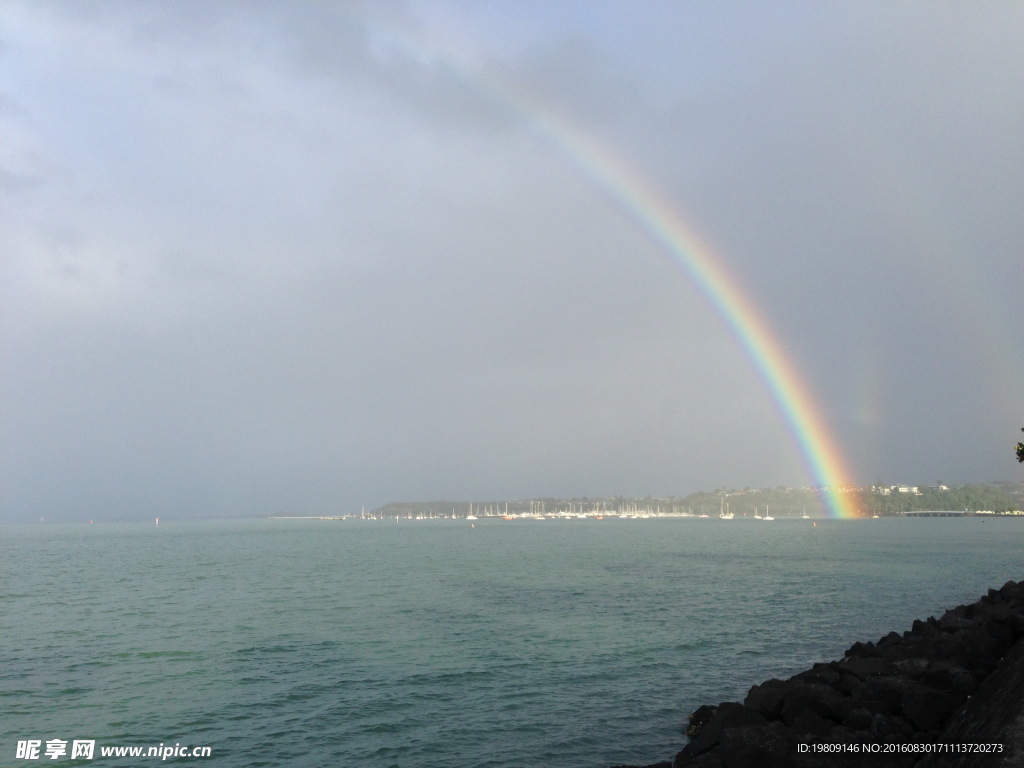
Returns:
(434,644)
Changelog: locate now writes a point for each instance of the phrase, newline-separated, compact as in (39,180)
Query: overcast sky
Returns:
(305,257)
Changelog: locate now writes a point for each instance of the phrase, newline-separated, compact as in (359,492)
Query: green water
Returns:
(436,644)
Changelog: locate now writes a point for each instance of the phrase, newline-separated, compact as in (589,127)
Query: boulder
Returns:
(766,698)
(926,708)
(906,688)
(727,715)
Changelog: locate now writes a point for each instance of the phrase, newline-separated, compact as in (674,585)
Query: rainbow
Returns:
(640,200)
(636,196)
(655,214)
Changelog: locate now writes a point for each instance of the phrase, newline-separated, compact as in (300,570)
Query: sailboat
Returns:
(724,514)
(766,515)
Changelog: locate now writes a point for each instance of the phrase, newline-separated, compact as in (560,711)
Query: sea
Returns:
(442,643)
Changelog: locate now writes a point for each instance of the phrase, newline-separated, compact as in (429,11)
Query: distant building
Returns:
(890,489)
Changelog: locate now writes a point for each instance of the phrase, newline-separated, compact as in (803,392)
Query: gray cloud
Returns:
(301,257)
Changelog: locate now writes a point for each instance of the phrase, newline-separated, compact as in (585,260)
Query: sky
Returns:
(304,258)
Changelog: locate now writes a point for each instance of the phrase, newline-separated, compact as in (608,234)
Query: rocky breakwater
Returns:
(906,689)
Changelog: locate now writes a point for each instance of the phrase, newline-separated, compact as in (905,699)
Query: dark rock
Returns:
(975,650)
(934,645)
(767,745)
(766,698)
(993,715)
(913,667)
(807,723)
(950,622)
(859,719)
(821,700)
(926,708)
(879,694)
(748,757)
(1002,636)
(744,757)
(1015,623)
(847,683)
(827,674)
(944,676)
(698,719)
(924,628)
(729,714)
(703,761)
(890,728)
(1011,590)
(893,638)
(772,738)
(934,683)
(865,667)
(862,650)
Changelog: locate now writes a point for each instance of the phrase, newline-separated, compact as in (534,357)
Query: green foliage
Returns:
(991,497)
(778,501)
